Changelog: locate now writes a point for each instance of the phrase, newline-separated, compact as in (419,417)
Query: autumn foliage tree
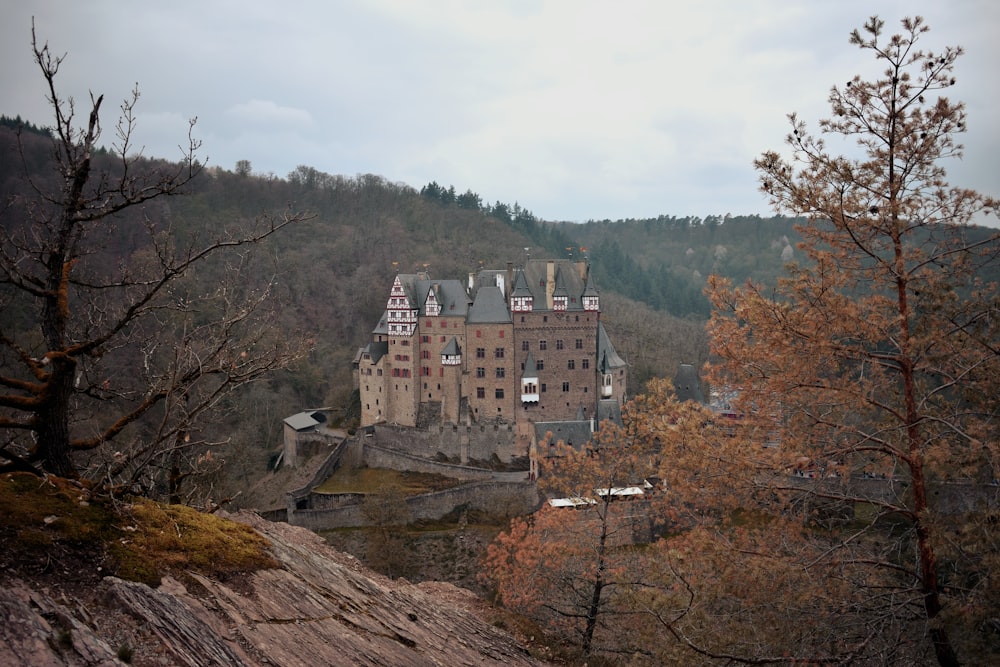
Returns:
(107,364)
(840,505)
(876,359)
(578,565)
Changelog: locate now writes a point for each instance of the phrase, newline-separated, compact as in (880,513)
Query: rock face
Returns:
(320,608)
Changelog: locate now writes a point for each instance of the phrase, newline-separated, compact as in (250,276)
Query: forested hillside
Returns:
(333,270)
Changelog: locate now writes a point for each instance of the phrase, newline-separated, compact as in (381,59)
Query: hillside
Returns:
(333,273)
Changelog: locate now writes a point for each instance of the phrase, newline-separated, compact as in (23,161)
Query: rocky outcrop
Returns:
(320,607)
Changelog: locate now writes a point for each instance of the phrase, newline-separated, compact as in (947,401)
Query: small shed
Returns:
(301,435)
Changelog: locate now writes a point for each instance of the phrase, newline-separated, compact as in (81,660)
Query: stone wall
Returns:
(495,497)
(463,442)
(393,459)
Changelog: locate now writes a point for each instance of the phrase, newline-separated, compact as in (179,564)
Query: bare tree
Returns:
(133,347)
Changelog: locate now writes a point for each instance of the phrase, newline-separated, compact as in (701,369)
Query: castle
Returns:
(517,346)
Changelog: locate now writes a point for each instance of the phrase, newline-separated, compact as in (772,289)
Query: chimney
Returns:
(550,283)
(510,281)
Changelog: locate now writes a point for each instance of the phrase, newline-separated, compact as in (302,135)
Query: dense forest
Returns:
(333,270)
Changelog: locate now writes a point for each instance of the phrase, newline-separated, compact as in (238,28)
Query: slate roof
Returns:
(451,349)
(590,289)
(304,421)
(687,385)
(607,357)
(383,324)
(608,409)
(573,433)
(530,367)
(489,307)
(378,350)
(520,284)
(567,278)
(449,293)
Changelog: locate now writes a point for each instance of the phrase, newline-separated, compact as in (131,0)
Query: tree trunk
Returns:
(53,446)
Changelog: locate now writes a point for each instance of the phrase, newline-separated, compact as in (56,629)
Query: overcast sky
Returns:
(576,110)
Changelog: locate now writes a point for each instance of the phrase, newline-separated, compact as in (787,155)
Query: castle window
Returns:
(585,363)
(498,353)
(442,339)
(501,333)
(525,346)
(425,354)
(559,344)
(480,392)
(571,364)
(480,353)
(499,392)
(543,388)
(543,345)
(480,372)
(540,364)
(545,318)
(501,373)
(479,333)
(425,339)
(565,386)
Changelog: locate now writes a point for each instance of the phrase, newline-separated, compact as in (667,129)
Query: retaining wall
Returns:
(480,441)
(495,497)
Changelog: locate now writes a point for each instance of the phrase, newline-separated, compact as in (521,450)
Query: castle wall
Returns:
(491,383)
(402,381)
(433,333)
(507,499)
(565,343)
(478,441)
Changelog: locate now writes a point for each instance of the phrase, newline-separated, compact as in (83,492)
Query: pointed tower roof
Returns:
(607,357)
(530,367)
(560,288)
(590,289)
(520,285)
(451,349)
